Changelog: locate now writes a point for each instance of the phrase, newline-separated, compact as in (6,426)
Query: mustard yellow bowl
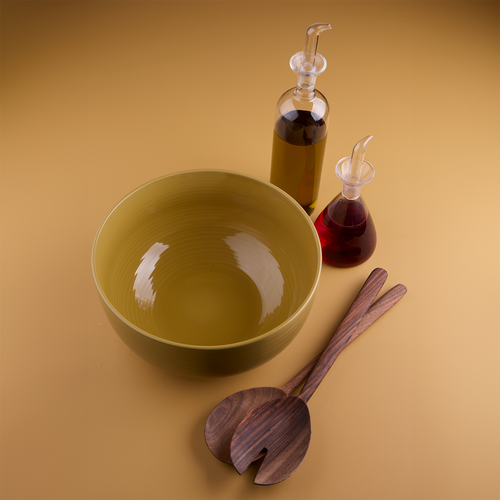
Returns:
(207,272)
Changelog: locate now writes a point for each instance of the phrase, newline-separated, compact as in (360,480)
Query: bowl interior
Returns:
(206,258)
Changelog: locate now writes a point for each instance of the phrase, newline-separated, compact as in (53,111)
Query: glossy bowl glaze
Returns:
(207,272)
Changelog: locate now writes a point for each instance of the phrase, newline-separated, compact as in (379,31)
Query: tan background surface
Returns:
(100,97)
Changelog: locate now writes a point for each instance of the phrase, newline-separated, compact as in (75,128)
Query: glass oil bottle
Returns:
(345,227)
(300,130)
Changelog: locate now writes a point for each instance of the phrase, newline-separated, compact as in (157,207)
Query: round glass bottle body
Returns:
(346,232)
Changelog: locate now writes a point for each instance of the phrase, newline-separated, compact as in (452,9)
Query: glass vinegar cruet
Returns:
(300,129)
(345,227)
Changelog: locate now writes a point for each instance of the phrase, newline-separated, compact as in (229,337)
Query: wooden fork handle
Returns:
(377,310)
(359,307)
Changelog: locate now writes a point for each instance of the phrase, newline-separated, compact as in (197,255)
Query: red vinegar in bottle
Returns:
(345,227)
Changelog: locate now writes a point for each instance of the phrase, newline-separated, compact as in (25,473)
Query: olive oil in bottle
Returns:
(298,149)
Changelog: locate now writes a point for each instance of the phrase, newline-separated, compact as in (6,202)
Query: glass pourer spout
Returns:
(355,172)
(311,46)
(308,63)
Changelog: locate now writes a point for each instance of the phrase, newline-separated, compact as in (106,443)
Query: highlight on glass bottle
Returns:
(300,130)
(345,227)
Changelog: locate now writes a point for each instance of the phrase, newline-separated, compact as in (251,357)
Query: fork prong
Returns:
(283,428)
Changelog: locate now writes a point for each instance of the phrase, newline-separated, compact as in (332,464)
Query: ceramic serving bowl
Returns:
(207,272)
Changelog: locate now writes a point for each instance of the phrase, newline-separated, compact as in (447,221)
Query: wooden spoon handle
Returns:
(377,310)
(347,327)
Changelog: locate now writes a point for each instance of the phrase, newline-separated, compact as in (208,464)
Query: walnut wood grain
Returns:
(376,311)
(228,414)
(282,426)
(359,307)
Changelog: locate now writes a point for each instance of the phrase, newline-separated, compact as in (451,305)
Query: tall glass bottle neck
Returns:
(305,87)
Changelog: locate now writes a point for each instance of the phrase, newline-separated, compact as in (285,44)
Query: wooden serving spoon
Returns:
(228,414)
(282,427)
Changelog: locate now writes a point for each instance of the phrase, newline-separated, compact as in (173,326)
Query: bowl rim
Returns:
(219,347)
